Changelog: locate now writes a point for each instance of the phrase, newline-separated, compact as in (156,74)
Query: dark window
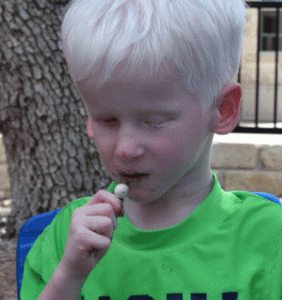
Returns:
(269,26)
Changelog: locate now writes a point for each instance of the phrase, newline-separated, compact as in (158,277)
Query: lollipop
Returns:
(121,191)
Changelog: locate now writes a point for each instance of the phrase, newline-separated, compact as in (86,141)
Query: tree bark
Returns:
(50,159)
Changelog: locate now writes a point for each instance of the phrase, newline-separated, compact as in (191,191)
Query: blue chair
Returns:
(34,226)
(29,232)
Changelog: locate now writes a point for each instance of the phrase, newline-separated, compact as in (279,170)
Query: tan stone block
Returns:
(5,211)
(236,156)
(6,203)
(272,157)
(4,178)
(3,157)
(255,181)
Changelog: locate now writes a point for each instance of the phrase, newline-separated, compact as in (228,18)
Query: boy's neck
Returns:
(170,211)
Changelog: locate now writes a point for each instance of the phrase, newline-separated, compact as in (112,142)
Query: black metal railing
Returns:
(256,124)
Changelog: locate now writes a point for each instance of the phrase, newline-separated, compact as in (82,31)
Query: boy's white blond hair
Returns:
(201,38)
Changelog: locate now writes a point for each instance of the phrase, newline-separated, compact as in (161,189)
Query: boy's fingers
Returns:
(104,196)
(101,225)
(103,210)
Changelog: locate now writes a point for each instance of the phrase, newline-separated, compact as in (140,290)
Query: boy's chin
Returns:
(141,195)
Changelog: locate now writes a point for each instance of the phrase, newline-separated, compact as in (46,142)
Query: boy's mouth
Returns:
(133,177)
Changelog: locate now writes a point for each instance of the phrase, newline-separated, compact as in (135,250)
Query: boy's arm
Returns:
(89,238)
(62,286)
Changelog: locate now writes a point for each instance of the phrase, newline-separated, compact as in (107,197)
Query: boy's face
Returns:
(149,132)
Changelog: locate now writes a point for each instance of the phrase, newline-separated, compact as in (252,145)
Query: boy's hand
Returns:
(90,234)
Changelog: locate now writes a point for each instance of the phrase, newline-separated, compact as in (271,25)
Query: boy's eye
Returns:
(109,121)
(156,122)
(152,125)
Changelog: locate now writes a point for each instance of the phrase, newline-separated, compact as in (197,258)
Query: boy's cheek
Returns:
(89,129)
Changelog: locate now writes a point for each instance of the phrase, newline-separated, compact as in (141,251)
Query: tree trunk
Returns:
(51,161)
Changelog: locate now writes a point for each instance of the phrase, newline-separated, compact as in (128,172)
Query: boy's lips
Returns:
(133,176)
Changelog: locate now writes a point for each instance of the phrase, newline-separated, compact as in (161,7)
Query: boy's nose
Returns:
(129,144)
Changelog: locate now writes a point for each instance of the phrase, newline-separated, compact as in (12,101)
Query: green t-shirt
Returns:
(228,248)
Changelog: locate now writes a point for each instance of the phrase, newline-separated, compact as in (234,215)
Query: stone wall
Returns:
(248,167)
(238,167)
(4,177)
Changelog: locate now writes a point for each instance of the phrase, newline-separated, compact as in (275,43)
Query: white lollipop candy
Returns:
(121,190)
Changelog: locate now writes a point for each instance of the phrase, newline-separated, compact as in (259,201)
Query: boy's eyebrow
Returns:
(156,111)
(162,89)
(159,90)
(142,112)
(169,112)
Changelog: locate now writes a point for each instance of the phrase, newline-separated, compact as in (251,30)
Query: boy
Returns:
(156,78)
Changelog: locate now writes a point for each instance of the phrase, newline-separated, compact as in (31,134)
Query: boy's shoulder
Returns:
(75,204)
(245,204)
(256,200)
(255,210)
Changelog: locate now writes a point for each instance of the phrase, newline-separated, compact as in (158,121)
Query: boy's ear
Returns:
(89,128)
(228,109)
